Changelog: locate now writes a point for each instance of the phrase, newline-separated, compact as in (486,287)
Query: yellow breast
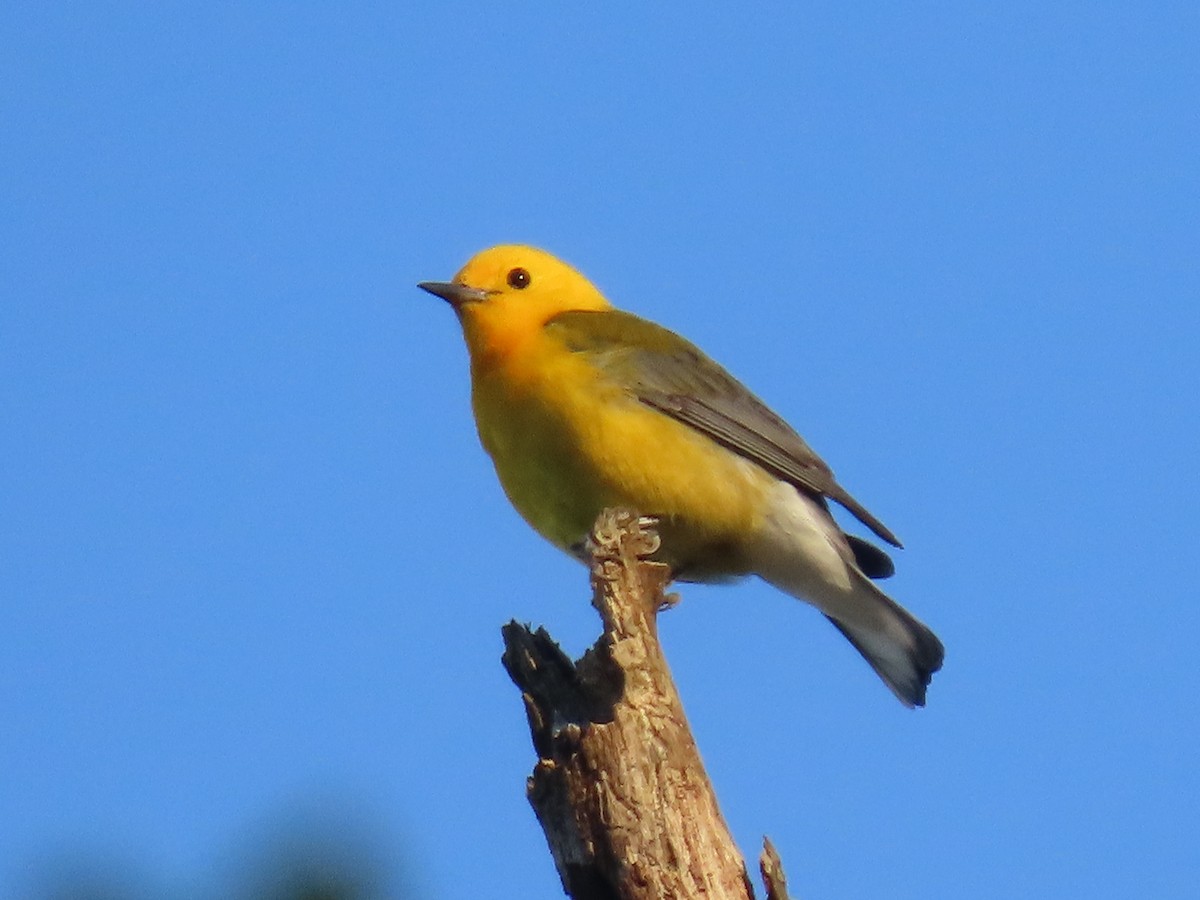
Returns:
(566,443)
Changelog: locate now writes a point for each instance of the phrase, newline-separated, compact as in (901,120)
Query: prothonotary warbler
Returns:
(582,406)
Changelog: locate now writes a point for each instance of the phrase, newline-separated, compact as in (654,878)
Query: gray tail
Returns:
(905,654)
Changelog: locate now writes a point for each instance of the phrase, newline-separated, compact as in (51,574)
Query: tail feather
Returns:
(801,550)
(871,561)
(905,653)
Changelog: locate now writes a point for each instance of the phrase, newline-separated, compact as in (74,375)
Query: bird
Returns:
(583,406)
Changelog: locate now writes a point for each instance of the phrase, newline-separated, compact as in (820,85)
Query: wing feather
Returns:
(674,377)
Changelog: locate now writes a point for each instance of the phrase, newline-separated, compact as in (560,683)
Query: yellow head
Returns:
(504,295)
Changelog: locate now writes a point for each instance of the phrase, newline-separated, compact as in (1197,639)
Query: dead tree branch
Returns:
(619,788)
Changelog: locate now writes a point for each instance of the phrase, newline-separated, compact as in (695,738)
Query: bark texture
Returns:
(619,788)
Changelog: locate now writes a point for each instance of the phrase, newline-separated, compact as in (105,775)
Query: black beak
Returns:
(454,294)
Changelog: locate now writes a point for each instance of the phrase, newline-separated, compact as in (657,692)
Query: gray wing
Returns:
(674,377)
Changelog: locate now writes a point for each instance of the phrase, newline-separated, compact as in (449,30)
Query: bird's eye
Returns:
(518,278)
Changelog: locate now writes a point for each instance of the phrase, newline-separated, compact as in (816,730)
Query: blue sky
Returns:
(253,562)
